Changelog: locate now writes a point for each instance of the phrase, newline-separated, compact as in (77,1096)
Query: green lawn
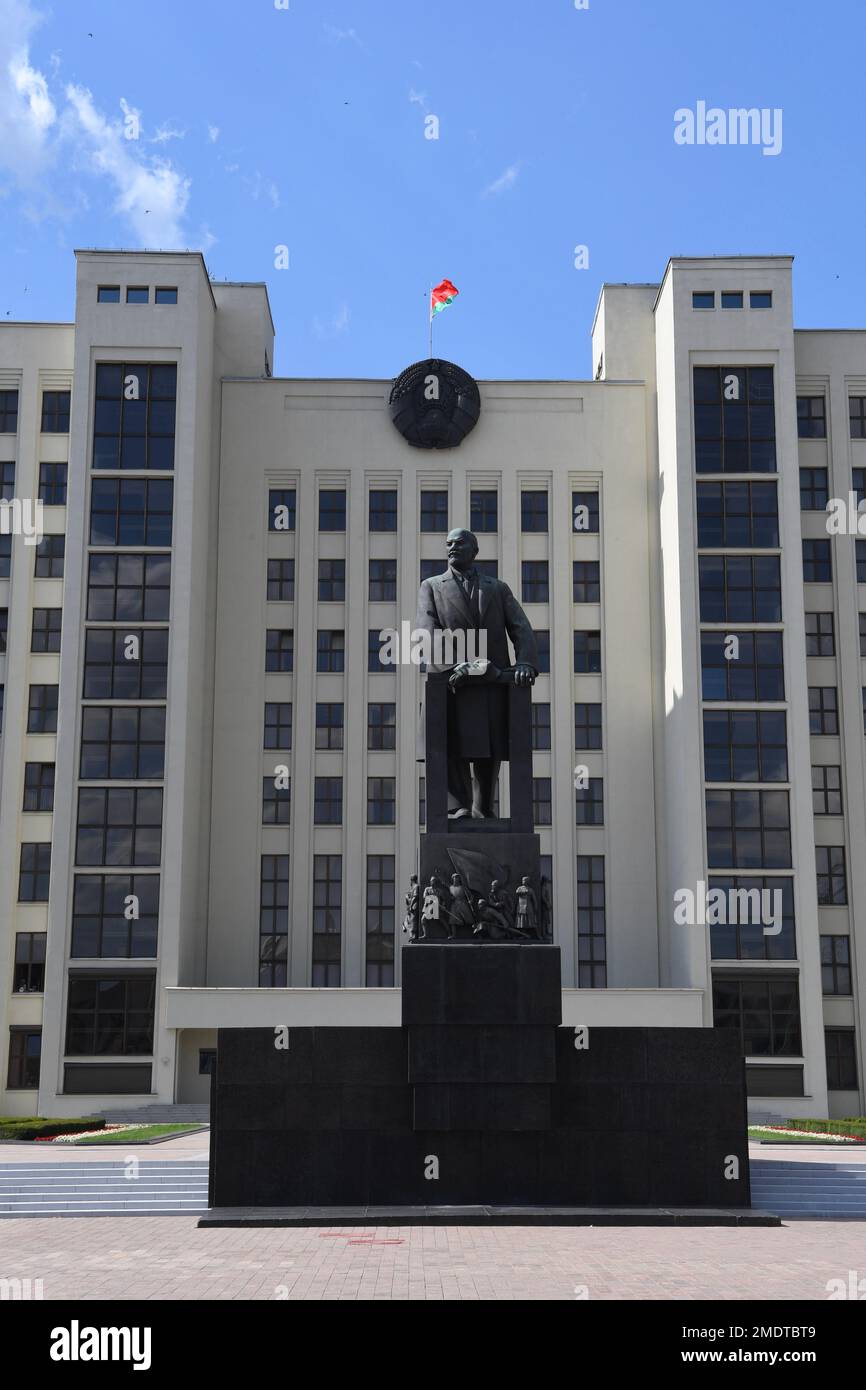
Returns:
(140,1133)
(766,1136)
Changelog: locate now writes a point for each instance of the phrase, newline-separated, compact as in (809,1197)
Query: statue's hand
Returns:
(523,674)
(458,675)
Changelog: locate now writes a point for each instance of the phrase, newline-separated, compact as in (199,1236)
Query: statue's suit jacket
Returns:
(478,714)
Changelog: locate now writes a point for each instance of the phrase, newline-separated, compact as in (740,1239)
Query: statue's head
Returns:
(413,878)
(525,882)
(455,878)
(494,885)
(462,548)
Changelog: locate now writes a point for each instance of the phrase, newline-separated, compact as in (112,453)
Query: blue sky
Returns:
(260,127)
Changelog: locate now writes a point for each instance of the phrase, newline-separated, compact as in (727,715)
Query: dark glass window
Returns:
(748,830)
(29,976)
(124,588)
(207,1061)
(110,1015)
(38,787)
(761,299)
(860,555)
(765,1010)
(165,294)
(823,710)
(374,648)
(276,802)
(857,415)
(589,803)
(826,789)
(811,417)
(832,884)
(587,651)
(587,726)
(542,643)
(119,825)
(122,743)
(281,509)
(535,582)
(329,726)
(332,581)
(278,724)
(381,921)
(281,581)
(137,294)
(50,555)
(540,725)
(861,618)
(584,511)
(542,803)
(4,628)
(383,509)
(52,484)
(585,581)
(732,299)
(813,489)
(488,567)
(381,800)
(274,909)
(835,965)
(6,556)
(7,481)
(483,510)
(134,420)
(381,726)
(735,425)
(422,800)
(328,808)
(533,510)
(745,937)
(115,916)
(755,670)
(131,511)
(124,664)
(737,514)
(745,746)
(330,650)
(45,633)
(8,412)
(332,509)
(858,483)
(25,1047)
(327,920)
(35,873)
(817,562)
(280,650)
(820,637)
(383,581)
(841,1051)
(42,710)
(108,294)
(591,931)
(430,568)
(740,588)
(55,412)
(703,299)
(434,510)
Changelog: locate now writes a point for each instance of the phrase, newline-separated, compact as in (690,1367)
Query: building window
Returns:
(811,417)
(589,803)
(745,938)
(381,800)
(430,568)
(281,581)
(119,825)
(55,412)
(38,787)
(857,416)
(327,920)
(533,510)
(422,800)
(835,965)
(134,423)
(826,790)
(748,830)
(587,651)
(591,932)
(278,725)
(35,873)
(5,556)
(740,588)
(101,928)
(383,581)
(535,585)
(137,294)
(861,617)
(8,412)
(165,294)
(820,636)
(483,510)
(7,481)
(737,514)
(823,710)
(381,726)
(280,650)
(541,801)
(276,802)
(281,509)
(126,664)
(131,511)
(750,669)
(374,648)
(383,509)
(761,299)
(540,726)
(4,628)
(587,726)
(488,567)
(745,746)
(110,1014)
(129,588)
(329,726)
(108,294)
(832,886)
(332,509)
(207,1061)
(703,299)
(52,484)
(858,483)
(765,1010)
(332,581)
(841,1059)
(732,299)
(330,650)
(328,801)
(584,511)
(817,562)
(42,710)
(45,632)
(274,921)
(585,581)
(735,425)
(25,1046)
(29,976)
(860,555)
(380,921)
(50,554)
(813,489)
(542,646)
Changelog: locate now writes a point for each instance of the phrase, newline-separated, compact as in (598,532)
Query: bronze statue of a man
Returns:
(462,600)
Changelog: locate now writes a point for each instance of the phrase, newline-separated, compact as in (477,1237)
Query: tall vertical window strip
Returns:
(274,921)
(591,931)
(381,900)
(735,421)
(327,920)
(8,412)
(135,416)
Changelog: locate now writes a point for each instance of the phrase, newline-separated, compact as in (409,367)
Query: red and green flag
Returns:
(442,296)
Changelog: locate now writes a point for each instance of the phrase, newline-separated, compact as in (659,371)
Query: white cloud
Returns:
(345,36)
(505,181)
(418,98)
(213,133)
(166,132)
(27,113)
(334,327)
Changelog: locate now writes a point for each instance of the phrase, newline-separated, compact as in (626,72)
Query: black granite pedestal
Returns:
(481,1099)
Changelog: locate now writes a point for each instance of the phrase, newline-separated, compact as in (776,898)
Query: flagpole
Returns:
(430,313)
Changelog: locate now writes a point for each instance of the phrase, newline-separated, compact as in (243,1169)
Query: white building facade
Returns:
(209,796)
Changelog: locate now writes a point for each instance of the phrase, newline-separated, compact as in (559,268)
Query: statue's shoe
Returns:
(459,813)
